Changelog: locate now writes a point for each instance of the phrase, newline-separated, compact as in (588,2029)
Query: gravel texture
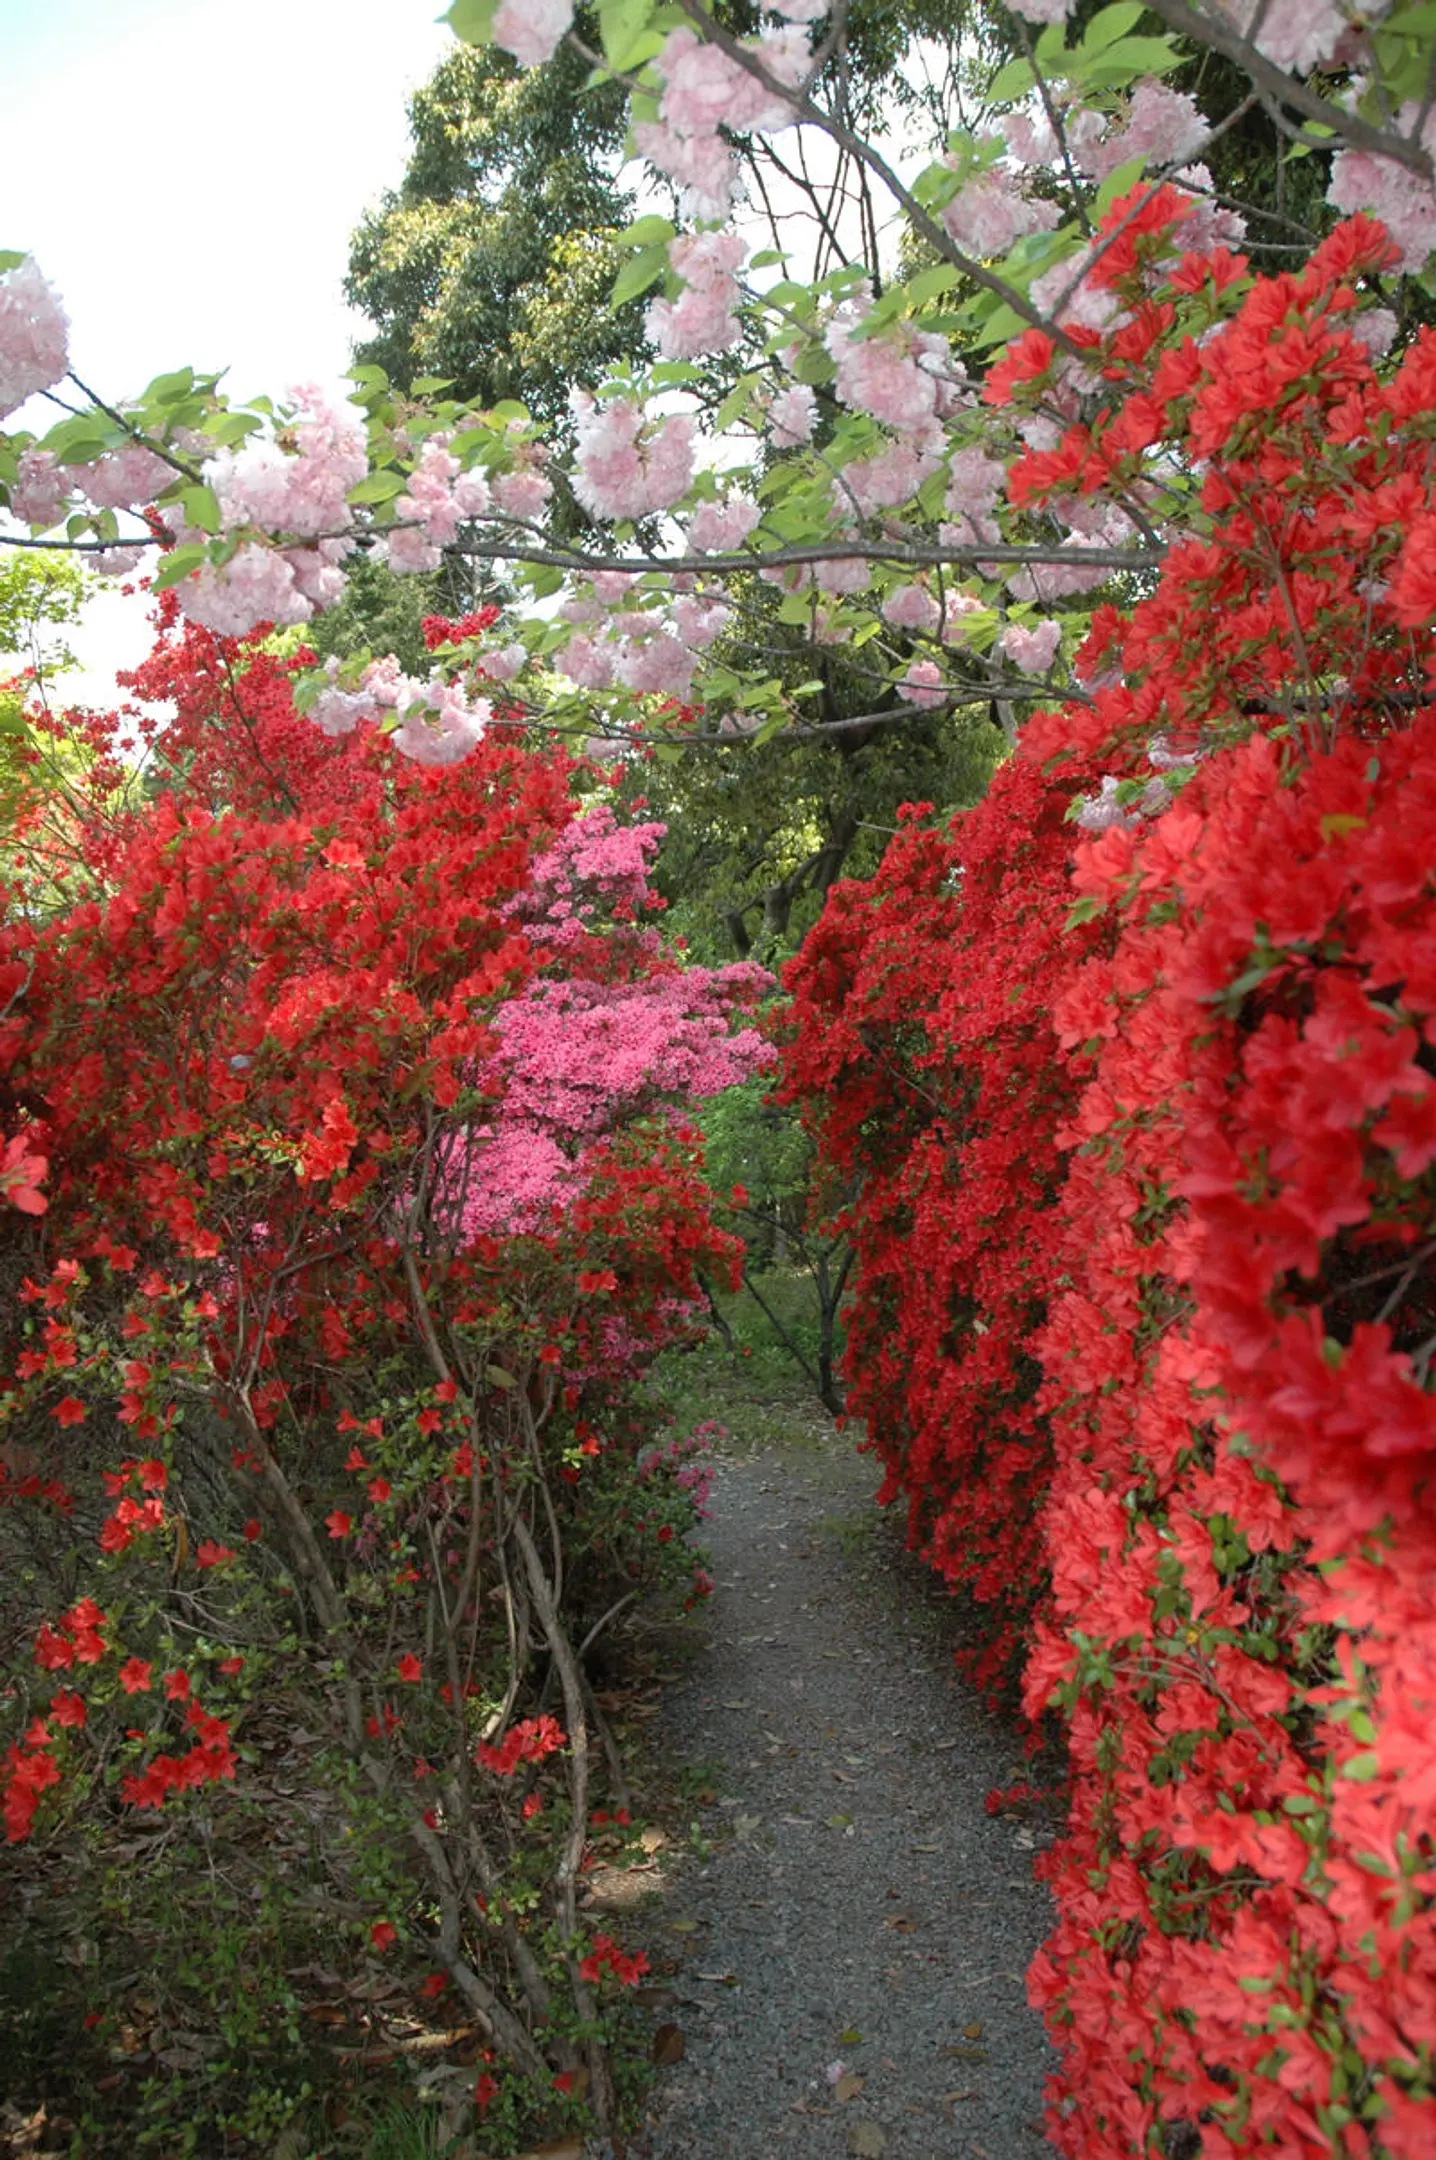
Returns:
(859,1911)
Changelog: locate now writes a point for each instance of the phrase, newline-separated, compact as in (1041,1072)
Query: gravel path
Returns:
(859,1907)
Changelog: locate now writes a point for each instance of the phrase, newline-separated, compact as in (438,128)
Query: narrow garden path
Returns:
(846,1961)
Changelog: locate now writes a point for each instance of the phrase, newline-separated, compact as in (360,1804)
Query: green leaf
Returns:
(1117,183)
(621,25)
(646,232)
(1130,57)
(472,20)
(10,259)
(510,409)
(377,487)
(1112,23)
(169,389)
(642,270)
(1010,82)
(929,283)
(229,427)
(429,385)
(498,1377)
(178,564)
(1003,323)
(201,507)
(1083,910)
(734,405)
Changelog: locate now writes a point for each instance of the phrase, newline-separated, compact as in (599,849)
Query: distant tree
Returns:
(492,263)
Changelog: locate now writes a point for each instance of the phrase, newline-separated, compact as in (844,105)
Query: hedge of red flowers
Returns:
(367,1191)
(1134,1068)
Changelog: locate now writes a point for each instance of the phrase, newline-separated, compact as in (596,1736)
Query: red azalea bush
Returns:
(1230,1289)
(356,1092)
(921,1038)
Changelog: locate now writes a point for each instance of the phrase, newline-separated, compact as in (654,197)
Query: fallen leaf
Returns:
(848,2086)
(867,2140)
(973,2031)
(962,2092)
(927,1848)
(745,1825)
(849,2036)
(723,1979)
(901,1925)
(839,1822)
(737,1705)
(842,1777)
(967,2054)
(684,1927)
(668,2044)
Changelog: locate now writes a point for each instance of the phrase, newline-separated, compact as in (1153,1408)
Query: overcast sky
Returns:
(187,174)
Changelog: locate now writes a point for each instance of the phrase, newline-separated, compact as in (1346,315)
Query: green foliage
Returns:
(493,262)
(41,592)
(759,832)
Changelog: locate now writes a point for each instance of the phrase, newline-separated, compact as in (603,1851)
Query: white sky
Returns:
(187,174)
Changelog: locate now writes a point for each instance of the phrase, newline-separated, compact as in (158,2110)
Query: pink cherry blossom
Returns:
(1375,328)
(307,493)
(697,623)
(256,585)
(115,561)
(1032,647)
(1296,34)
(702,86)
(1162,125)
(124,477)
(625,468)
(406,550)
(33,333)
(702,319)
(316,571)
(532,29)
(1405,204)
(923,683)
(893,476)
(975,482)
(40,492)
(659,664)
(444,730)
(429,497)
(957,612)
(1043,11)
(503,665)
(1207,224)
(716,528)
(336,711)
(912,607)
(801,11)
(702,164)
(843,574)
(879,375)
(585,664)
(791,416)
(990,211)
(523,493)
